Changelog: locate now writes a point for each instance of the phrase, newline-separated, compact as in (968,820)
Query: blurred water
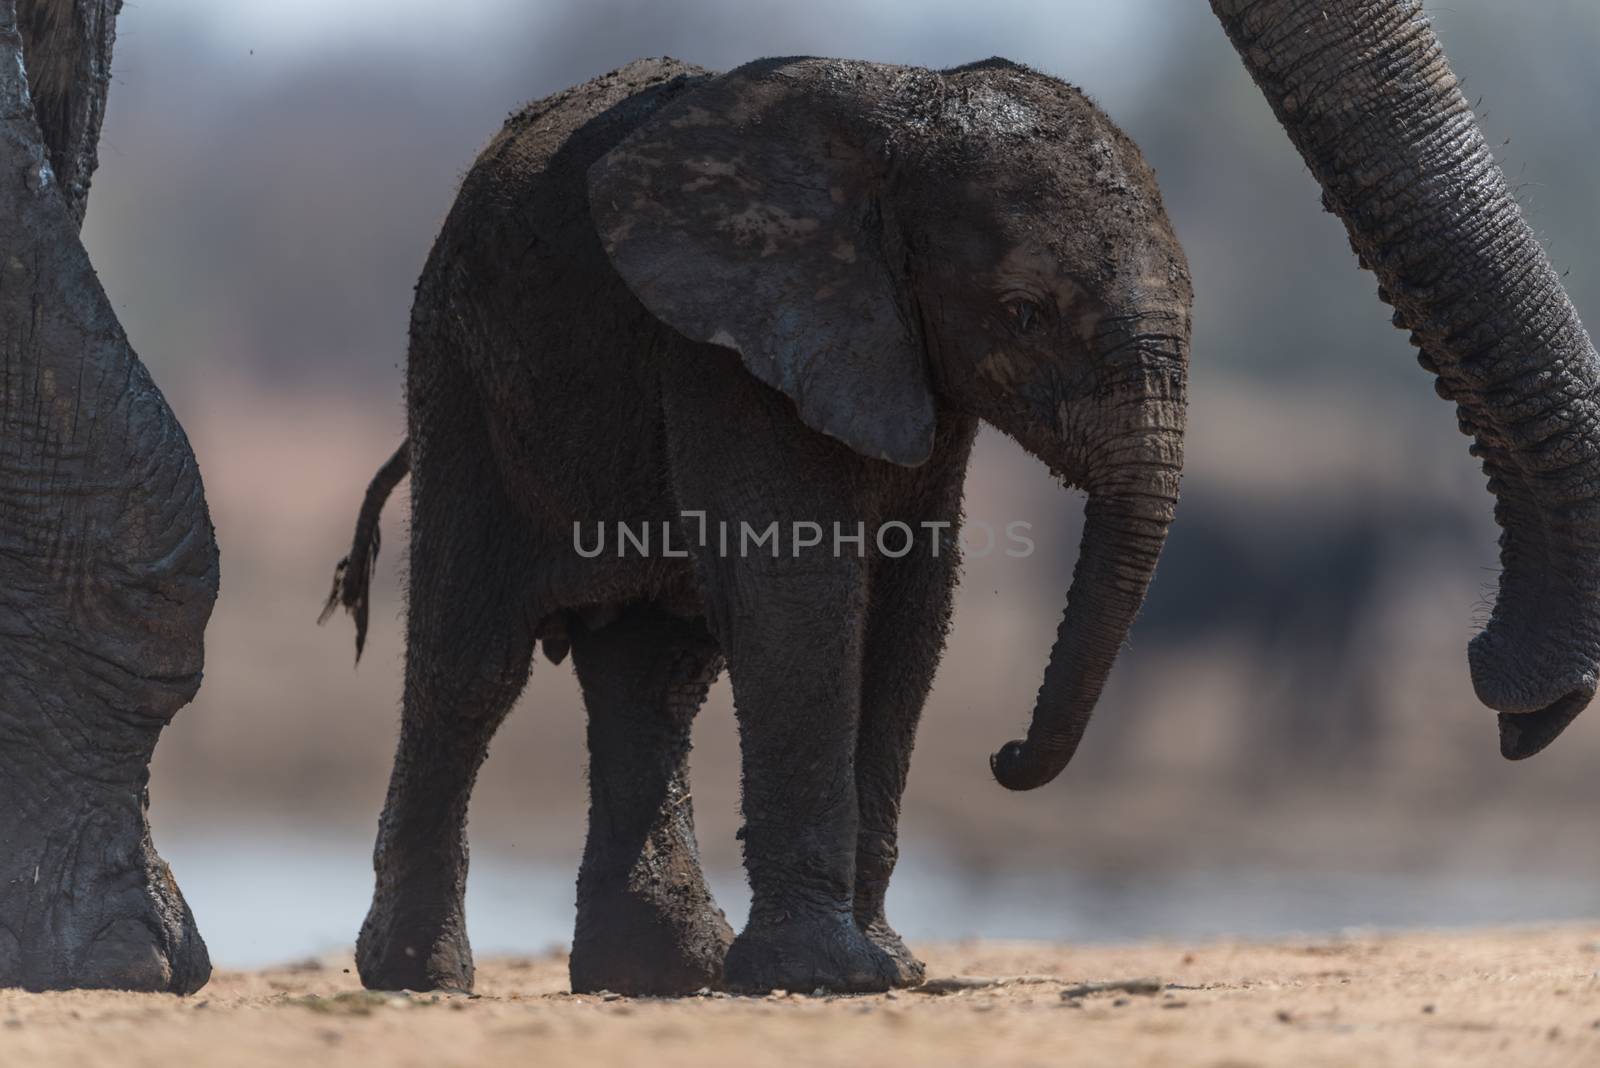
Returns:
(271,896)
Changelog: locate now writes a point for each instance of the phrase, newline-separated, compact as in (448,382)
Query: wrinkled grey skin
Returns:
(1363,89)
(109,563)
(788,293)
(1365,92)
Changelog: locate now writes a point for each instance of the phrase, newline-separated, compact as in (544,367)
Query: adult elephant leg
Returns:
(469,646)
(1366,94)
(646,922)
(108,571)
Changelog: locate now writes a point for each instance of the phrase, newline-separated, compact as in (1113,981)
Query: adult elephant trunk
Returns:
(1366,94)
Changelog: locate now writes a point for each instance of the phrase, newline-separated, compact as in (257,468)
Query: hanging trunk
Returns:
(108,566)
(1366,94)
(1132,476)
(1122,540)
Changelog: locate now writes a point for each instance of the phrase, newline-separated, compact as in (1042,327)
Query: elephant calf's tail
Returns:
(352,579)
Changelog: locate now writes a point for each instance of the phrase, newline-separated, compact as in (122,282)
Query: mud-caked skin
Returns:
(646,921)
(668,299)
(788,294)
(109,562)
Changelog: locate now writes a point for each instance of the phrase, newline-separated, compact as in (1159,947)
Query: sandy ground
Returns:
(1527,997)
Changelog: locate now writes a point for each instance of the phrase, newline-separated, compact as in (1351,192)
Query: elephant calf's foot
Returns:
(91,906)
(395,955)
(804,953)
(909,970)
(648,944)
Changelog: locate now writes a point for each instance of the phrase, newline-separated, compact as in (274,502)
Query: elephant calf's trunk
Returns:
(1122,540)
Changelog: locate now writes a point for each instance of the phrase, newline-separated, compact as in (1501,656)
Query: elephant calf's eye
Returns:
(1025,315)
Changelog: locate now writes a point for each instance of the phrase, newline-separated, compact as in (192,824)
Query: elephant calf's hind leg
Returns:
(469,646)
(646,921)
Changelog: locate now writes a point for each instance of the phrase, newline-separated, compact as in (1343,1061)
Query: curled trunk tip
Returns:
(1122,538)
(1018,766)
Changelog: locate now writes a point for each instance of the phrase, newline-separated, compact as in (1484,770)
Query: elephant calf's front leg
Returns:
(906,629)
(796,665)
(646,921)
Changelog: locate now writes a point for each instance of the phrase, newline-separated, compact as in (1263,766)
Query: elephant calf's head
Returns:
(881,243)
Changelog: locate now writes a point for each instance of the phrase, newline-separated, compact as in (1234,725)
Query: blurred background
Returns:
(1289,743)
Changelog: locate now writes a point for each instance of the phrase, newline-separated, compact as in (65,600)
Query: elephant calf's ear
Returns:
(745,215)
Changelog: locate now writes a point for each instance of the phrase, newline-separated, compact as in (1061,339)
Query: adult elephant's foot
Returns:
(414,949)
(807,952)
(85,902)
(909,970)
(661,941)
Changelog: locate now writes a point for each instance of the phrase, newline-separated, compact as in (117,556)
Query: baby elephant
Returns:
(696,366)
